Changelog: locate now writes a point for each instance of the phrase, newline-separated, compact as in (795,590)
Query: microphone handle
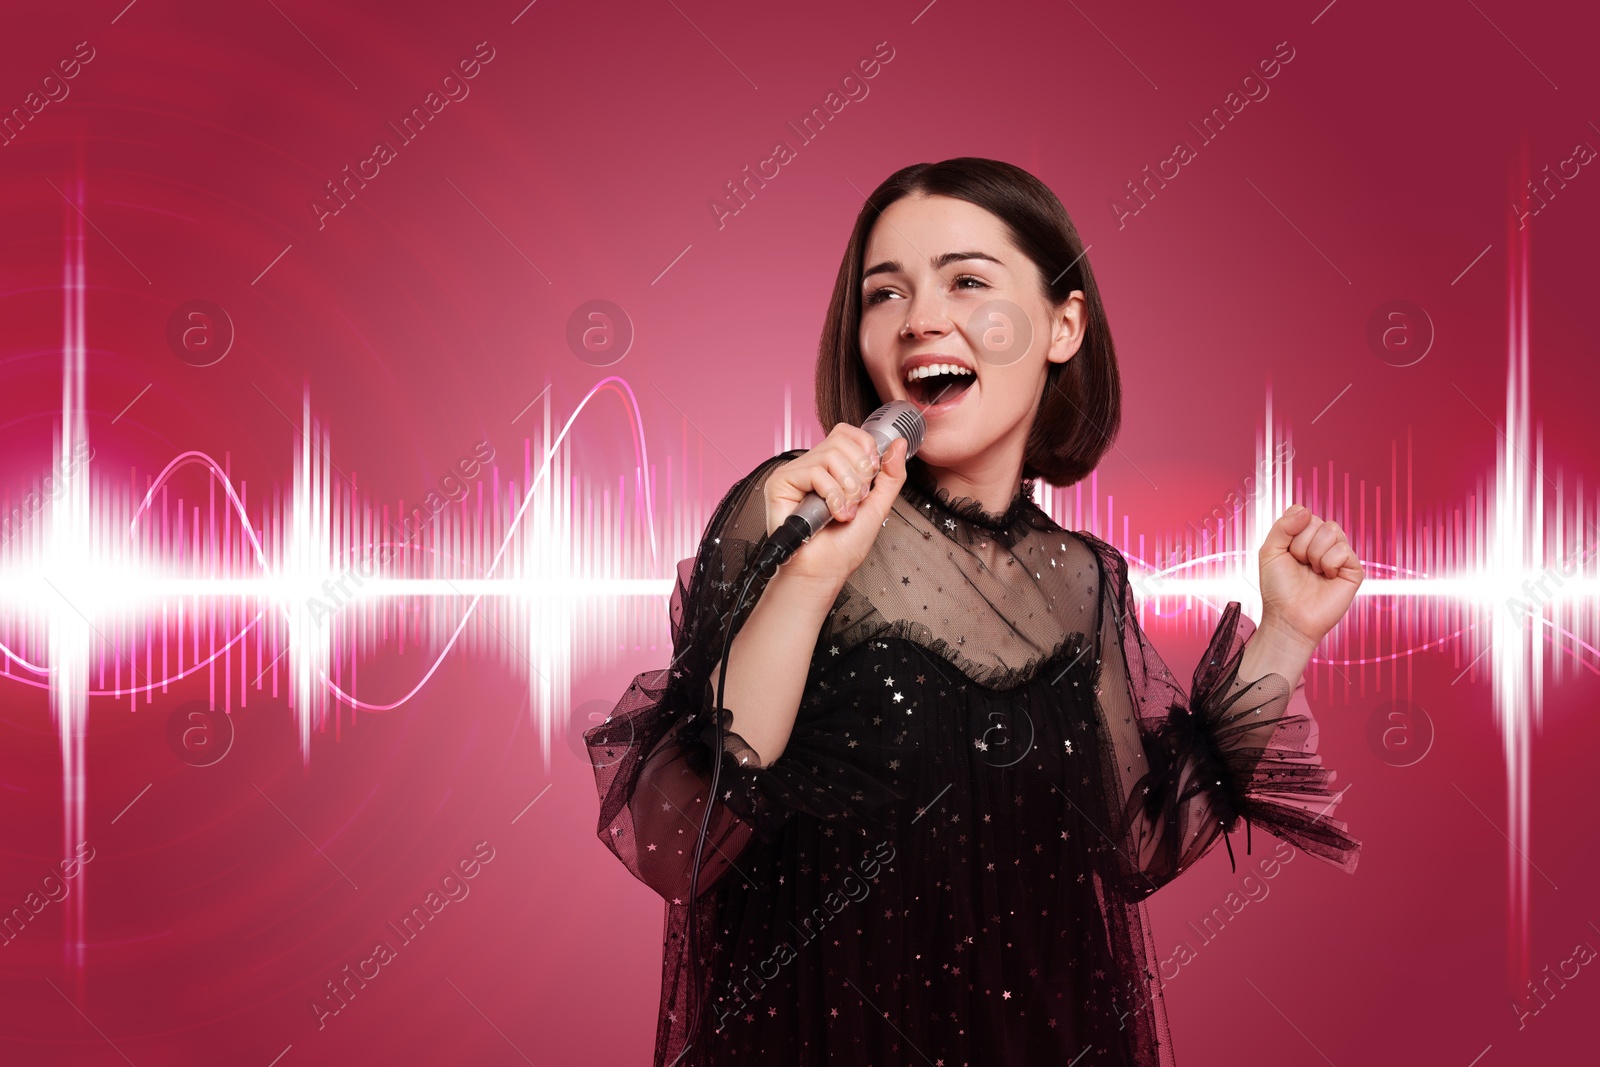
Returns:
(813,510)
(896,419)
(804,522)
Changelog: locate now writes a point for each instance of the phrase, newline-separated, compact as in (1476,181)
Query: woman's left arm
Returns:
(1185,768)
(1309,577)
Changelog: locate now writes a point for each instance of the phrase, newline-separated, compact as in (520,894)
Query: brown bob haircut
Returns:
(1080,410)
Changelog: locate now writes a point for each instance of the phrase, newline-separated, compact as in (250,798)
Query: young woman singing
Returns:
(953,765)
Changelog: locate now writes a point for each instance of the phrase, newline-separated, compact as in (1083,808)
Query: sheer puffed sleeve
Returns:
(1188,768)
(652,755)
(652,793)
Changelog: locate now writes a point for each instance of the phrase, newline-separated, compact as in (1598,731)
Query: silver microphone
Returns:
(894,420)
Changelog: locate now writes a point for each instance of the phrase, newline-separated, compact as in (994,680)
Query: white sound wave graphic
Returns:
(295,595)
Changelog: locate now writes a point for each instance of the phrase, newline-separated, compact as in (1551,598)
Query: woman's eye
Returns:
(878,296)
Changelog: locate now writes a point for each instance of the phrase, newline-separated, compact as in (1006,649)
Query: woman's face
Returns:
(953,318)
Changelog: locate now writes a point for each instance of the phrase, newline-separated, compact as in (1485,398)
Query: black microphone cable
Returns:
(764,564)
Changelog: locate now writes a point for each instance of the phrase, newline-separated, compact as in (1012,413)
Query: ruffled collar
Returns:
(963,518)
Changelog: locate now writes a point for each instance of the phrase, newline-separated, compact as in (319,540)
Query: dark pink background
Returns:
(593,141)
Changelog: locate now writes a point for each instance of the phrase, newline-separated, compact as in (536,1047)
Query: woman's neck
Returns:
(992,482)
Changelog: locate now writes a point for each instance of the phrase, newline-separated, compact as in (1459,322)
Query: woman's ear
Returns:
(1067,328)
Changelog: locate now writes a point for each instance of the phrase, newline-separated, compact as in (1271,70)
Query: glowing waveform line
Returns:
(639,446)
(212,585)
(240,636)
(1151,573)
(1515,663)
(1378,589)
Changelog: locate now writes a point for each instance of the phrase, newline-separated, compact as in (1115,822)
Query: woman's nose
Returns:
(925,314)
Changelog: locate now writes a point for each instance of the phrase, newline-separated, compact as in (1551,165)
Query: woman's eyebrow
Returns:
(892,266)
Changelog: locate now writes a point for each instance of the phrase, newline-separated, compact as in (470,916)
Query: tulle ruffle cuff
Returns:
(1222,745)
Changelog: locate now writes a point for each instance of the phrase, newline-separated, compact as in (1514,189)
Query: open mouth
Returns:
(937,383)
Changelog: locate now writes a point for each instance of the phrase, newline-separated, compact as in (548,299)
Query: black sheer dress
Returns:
(990,769)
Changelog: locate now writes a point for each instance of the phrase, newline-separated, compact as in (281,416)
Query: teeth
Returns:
(931,369)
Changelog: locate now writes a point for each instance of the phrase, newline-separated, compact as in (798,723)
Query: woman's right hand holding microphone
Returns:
(841,471)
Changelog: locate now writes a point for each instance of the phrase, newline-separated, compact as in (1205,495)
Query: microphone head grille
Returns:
(898,418)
